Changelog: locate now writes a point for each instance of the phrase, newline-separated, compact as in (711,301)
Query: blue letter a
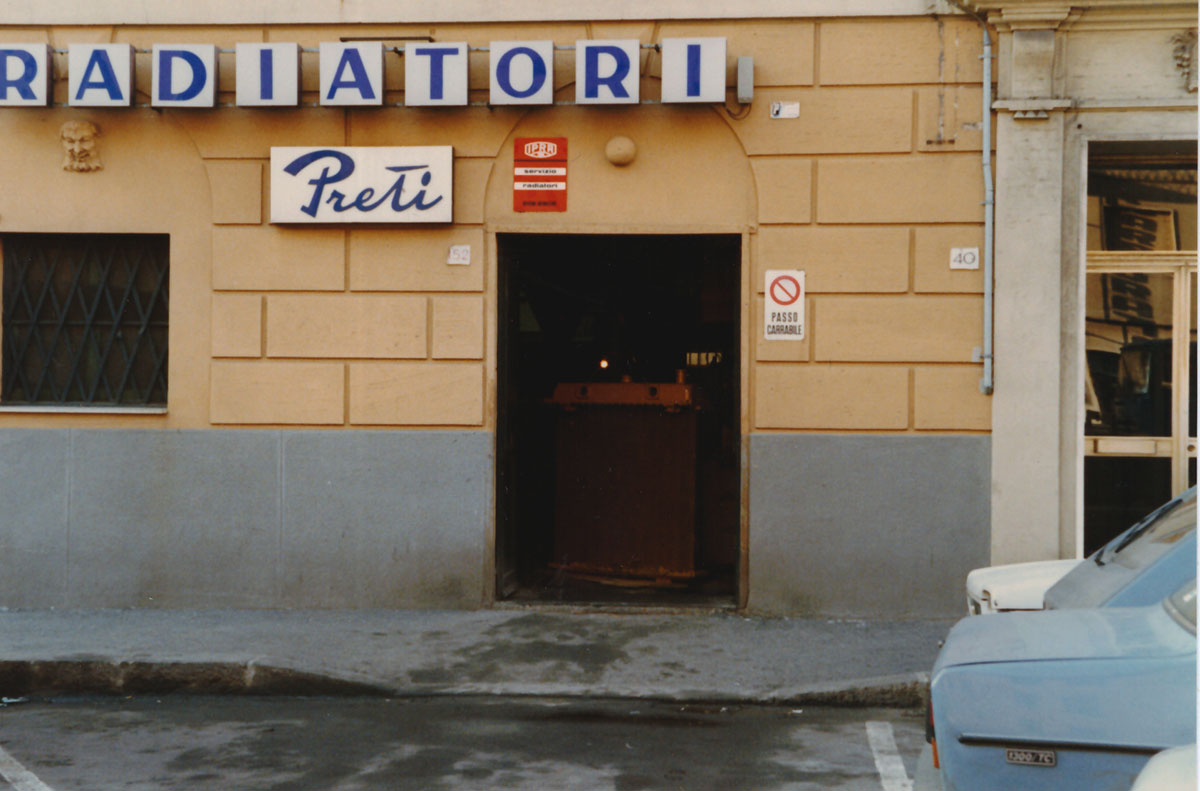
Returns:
(352,59)
(107,80)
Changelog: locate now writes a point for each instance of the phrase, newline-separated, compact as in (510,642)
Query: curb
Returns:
(100,676)
(909,690)
(107,677)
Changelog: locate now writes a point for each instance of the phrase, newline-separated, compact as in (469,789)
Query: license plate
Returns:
(1031,757)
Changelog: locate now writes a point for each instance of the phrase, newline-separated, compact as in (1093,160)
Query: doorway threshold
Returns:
(714,606)
(714,593)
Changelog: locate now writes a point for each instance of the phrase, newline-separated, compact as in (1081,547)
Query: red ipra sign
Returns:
(540,174)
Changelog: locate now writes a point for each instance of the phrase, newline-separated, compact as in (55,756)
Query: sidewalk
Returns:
(675,656)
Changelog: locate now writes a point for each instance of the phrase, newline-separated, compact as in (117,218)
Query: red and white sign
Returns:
(540,174)
(783,308)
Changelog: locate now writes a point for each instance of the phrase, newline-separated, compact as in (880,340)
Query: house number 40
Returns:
(964,258)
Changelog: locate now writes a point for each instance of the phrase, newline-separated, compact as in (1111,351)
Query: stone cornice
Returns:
(1031,16)
(345,12)
(1173,17)
(1009,15)
(1144,6)
(1107,14)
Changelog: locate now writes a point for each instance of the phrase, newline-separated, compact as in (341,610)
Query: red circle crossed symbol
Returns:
(785,290)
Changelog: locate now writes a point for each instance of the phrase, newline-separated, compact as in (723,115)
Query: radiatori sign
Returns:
(352,73)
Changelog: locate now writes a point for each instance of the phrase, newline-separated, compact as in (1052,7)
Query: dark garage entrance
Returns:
(618,436)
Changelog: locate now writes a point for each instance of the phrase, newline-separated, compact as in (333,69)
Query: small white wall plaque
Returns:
(964,257)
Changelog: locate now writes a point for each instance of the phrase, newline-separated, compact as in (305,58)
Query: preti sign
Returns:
(362,184)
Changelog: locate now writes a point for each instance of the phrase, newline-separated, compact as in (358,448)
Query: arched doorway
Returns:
(619,363)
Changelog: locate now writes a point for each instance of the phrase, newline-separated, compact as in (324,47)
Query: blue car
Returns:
(1148,561)
(1062,699)
(1140,566)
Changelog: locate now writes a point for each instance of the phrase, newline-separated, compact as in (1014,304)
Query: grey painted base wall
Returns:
(867,525)
(243,519)
(856,526)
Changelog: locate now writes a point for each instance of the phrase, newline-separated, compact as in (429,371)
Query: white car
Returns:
(1170,770)
(1017,586)
(1138,567)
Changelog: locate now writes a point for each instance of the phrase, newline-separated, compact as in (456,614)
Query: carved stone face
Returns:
(79,143)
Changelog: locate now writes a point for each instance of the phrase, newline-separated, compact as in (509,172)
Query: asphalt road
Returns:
(459,744)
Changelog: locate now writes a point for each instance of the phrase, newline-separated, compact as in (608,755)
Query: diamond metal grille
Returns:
(85,319)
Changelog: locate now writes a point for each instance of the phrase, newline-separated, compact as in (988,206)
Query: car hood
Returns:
(1018,586)
(1065,634)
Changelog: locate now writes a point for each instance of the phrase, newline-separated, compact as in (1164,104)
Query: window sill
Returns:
(84,410)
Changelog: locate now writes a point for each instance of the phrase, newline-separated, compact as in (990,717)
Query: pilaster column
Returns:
(1026,445)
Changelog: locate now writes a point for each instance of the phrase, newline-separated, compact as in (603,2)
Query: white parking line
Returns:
(18,776)
(892,775)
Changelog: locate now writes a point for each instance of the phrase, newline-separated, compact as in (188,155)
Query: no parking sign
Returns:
(783,311)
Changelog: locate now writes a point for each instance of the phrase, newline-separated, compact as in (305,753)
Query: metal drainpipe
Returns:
(987,383)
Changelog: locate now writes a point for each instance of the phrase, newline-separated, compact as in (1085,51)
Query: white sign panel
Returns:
(435,75)
(607,72)
(783,309)
(785,110)
(185,75)
(268,75)
(100,75)
(522,72)
(351,73)
(24,75)
(964,257)
(693,70)
(402,184)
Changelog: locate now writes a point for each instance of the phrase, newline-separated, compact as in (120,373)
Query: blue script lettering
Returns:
(365,200)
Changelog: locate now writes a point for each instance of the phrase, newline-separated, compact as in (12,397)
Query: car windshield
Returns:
(1153,536)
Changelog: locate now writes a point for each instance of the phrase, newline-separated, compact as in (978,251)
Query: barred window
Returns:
(84,319)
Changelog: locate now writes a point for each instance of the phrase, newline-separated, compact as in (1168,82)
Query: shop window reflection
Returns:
(1140,290)
(1129,354)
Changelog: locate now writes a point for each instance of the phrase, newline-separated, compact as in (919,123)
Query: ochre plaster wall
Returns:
(866,191)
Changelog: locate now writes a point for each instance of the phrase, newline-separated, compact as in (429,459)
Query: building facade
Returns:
(645,345)
(1094,416)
